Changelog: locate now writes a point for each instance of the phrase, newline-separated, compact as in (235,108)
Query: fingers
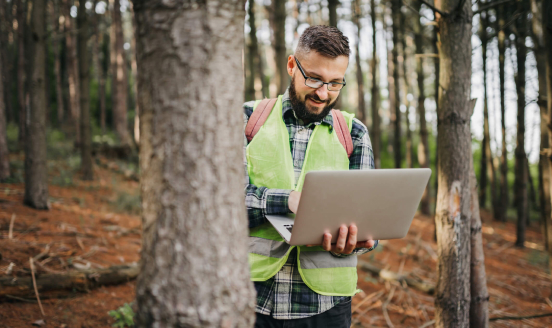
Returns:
(341,239)
(351,240)
(365,244)
(327,242)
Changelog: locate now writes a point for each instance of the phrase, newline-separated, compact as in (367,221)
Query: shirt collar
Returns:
(288,110)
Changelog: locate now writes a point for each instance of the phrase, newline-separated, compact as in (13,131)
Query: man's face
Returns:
(314,104)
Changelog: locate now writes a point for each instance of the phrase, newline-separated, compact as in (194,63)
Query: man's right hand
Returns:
(293,201)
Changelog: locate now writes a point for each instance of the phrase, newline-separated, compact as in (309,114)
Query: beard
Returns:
(300,107)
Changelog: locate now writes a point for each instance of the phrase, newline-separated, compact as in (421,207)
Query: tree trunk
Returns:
(36,170)
(361,110)
(72,70)
(99,68)
(277,19)
(119,81)
(252,54)
(5,31)
(134,68)
(332,8)
(84,82)
(423,145)
(452,217)
(547,27)
(436,45)
(4,158)
(21,24)
(521,156)
(479,305)
(191,59)
(503,202)
(406,90)
(396,13)
(59,31)
(376,129)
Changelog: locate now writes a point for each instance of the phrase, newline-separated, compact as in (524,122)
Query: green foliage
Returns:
(128,203)
(17,169)
(12,132)
(124,316)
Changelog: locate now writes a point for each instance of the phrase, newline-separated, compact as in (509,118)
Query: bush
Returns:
(124,316)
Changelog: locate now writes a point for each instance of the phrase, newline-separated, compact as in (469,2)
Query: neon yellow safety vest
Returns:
(270,165)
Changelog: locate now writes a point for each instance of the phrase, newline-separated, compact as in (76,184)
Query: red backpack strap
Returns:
(342,131)
(258,118)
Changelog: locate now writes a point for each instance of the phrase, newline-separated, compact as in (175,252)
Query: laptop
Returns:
(382,204)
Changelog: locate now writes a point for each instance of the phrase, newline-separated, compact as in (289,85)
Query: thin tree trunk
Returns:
(390,82)
(361,110)
(21,24)
(332,8)
(452,301)
(406,90)
(277,19)
(134,69)
(84,80)
(257,69)
(119,76)
(72,70)
(503,158)
(98,68)
(479,305)
(547,27)
(376,129)
(59,31)
(5,32)
(436,45)
(252,54)
(521,156)
(396,14)
(4,153)
(192,60)
(36,170)
(423,145)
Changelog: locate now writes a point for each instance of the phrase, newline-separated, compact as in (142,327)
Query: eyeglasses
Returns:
(316,83)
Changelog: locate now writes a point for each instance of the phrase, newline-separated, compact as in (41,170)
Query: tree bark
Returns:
(5,32)
(21,24)
(397,142)
(72,71)
(361,110)
(36,170)
(479,305)
(134,68)
(4,153)
(406,90)
(332,8)
(84,82)
(503,201)
(59,31)
(119,81)
(376,129)
(436,45)
(277,20)
(252,53)
(452,217)
(99,67)
(423,145)
(521,178)
(191,155)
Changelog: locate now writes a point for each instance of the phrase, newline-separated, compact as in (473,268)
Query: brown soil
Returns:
(83,226)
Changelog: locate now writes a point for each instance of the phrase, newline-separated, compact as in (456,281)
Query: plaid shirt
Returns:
(286,296)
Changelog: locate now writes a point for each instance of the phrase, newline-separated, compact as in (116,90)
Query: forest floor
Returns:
(97,224)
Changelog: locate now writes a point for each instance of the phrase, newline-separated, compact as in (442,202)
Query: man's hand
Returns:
(346,241)
(293,201)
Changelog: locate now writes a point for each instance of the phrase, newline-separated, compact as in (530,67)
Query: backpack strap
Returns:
(342,131)
(259,117)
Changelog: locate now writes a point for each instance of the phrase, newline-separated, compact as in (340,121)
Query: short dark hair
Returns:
(326,40)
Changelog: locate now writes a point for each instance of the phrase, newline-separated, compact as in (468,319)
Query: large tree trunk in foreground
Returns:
(423,145)
(194,269)
(376,129)
(452,301)
(479,305)
(84,80)
(547,26)
(277,19)
(521,157)
(36,170)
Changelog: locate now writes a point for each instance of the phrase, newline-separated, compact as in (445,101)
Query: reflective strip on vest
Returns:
(270,164)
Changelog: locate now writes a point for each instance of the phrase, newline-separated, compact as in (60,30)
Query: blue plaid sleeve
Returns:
(261,201)
(362,158)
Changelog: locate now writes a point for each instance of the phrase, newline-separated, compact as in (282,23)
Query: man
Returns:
(303,286)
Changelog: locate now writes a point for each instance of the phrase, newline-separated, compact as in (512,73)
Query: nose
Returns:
(322,92)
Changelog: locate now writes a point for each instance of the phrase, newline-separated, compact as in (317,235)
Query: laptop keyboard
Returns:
(289,227)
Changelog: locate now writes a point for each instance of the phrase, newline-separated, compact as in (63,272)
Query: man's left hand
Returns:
(346,241)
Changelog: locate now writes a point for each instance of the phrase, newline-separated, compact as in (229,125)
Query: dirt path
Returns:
(87,226)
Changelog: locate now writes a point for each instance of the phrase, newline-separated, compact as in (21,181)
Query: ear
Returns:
(290,64)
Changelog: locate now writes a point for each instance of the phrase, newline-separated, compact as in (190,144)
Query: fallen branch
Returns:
(392,276)
(10,234)
(522,317)
(34,285)
(55,285)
